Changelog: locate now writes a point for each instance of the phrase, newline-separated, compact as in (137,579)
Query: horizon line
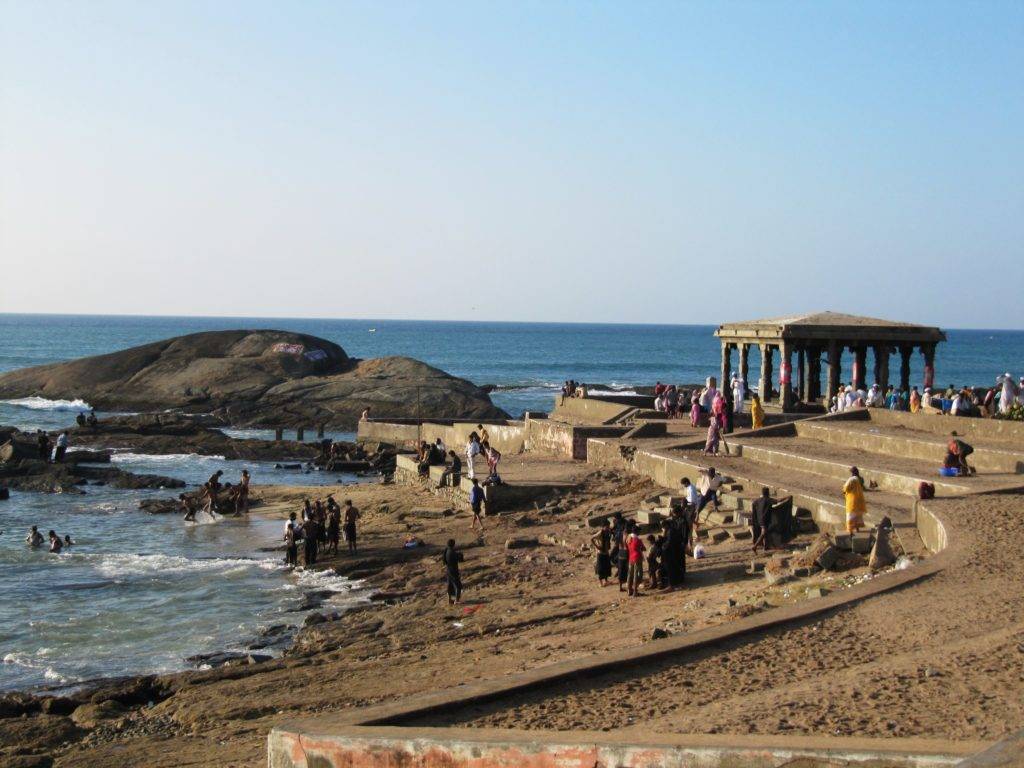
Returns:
(407,320)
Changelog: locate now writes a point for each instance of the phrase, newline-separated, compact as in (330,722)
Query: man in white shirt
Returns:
(739,392)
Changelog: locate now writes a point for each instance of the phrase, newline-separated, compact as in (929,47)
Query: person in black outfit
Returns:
(311,536)
(761,519)
(44,446)
(451,558)
(672,553)
(682,522)
(602,541)
(623,529)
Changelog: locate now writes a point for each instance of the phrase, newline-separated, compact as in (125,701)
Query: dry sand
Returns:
(522,608)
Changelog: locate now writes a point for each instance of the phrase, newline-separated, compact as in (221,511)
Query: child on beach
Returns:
(635,547)
(694,412)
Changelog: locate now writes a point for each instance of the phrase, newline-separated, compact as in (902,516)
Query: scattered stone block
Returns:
(520,542)
(844,542)
(814,592)
(718,535)
(776,575)
(720,518)
(803,571)
(659,633)
(91,715)
(861,542)
(740,534)
(649,517)
(806,525)
(756,567)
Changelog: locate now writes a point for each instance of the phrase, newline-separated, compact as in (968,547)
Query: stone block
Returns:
(649,517)
(803,571)
(806,525)
(520,542)
(826,558)
(775,576)
(844,542)
(861,542)
(718,535)
(740,534)
(756,566)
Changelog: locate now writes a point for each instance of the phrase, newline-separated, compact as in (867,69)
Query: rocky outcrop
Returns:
(255,378)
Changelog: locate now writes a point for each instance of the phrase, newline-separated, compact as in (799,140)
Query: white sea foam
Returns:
(154,458)
(123,565)
(45,404)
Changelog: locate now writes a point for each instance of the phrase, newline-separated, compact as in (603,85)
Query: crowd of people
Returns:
(322,525)
(621,546)
(955,401)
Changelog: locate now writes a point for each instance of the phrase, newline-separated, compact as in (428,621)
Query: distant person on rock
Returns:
(189,505)
(856,507)
(351,516)
(209,495)
(602,541)
(451,557)
(62,447)
(80,419)
(242,499)
(476,503)
(365,415)
(44,446)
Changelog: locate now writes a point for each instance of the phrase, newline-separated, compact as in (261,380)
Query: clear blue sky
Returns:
(683,162)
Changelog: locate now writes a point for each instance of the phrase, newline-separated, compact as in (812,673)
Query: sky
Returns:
(598,161)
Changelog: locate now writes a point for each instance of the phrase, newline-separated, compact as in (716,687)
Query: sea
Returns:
(140,593)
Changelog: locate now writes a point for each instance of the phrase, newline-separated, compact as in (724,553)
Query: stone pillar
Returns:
(905,353)
(300,434)
(786,375)
(882,353)
(814,373)
(764,386)
(802,377)
(726,364)
(835,360)
(860,361)
(928,350)
(744,366)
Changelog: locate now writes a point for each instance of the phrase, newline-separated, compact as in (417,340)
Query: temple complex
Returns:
(824,337)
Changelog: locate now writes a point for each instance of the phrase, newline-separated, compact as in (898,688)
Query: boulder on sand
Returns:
(255,378)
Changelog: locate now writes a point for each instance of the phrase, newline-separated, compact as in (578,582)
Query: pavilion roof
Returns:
(830,325)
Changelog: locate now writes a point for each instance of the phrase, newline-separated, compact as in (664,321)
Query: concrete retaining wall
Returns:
(389,747)
(966,427)
(984,459)
(588,410)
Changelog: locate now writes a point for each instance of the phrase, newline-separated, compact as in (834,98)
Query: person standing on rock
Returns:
(62,447)
(242,499)
(856,507)
(44,446)
(451,558)
(365,416)
(351,515)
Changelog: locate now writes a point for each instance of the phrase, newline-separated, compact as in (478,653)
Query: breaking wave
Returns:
(45,404)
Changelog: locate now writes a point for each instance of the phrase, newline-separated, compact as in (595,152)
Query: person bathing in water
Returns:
(34,538)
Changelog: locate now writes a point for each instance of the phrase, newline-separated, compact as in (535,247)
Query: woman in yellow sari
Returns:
(756,412)
(856,508)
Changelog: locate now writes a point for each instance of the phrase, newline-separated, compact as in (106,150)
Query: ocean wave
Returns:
(155,458)
(126,565)
(45,404)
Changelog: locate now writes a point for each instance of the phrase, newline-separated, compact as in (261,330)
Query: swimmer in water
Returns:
(34,538)
(56,545)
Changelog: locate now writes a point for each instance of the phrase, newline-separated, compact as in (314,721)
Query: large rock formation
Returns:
(255,378)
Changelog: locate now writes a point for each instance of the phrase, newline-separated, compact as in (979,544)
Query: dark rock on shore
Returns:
(168,433)
(249,378)
(37,475)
